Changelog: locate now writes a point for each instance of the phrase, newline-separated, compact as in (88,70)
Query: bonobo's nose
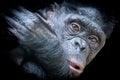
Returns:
(76,68)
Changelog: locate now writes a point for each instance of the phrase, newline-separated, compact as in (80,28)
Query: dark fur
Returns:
(44,45)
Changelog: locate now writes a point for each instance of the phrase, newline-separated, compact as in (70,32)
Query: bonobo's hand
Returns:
(30,28)
(37,39)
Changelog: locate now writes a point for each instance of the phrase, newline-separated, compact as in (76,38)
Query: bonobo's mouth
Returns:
(76,68)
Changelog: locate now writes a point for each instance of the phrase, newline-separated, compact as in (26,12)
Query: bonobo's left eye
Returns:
(93,39)
(75,27)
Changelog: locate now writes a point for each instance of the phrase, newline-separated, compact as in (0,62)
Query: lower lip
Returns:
(75,73)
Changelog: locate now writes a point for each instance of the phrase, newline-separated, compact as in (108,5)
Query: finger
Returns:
(15,24)
(17,34)
(29,14)
(23,19)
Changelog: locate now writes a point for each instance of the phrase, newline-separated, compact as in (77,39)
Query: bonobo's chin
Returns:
(65,74)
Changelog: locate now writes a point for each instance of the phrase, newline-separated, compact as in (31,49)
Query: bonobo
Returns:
(57,42)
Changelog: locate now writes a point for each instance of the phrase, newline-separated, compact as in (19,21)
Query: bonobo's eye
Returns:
(75,27)
(93,39)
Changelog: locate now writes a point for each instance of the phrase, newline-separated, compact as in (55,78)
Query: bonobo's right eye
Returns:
(74,28)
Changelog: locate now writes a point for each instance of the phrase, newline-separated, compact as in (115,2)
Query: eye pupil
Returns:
(93,38)
(75,27)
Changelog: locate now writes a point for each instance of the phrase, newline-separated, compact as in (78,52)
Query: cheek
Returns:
(93,53)
(90,58)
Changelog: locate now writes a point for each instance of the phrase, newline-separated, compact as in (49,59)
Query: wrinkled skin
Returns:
(57,42)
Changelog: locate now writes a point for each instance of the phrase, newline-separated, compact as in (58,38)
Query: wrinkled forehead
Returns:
(94,18)
(90,12)
(89,17)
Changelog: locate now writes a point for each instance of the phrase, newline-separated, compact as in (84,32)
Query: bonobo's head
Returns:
(58,42)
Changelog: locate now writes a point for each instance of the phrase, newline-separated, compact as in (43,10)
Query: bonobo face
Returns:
(57,42)
(79,33)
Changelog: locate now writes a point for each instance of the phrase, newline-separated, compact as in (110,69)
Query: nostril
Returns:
(82,48)
(77,44)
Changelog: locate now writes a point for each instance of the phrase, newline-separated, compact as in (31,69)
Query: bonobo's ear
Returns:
(48,12)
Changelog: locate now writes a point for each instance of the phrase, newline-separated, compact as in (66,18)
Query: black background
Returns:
(104,66)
